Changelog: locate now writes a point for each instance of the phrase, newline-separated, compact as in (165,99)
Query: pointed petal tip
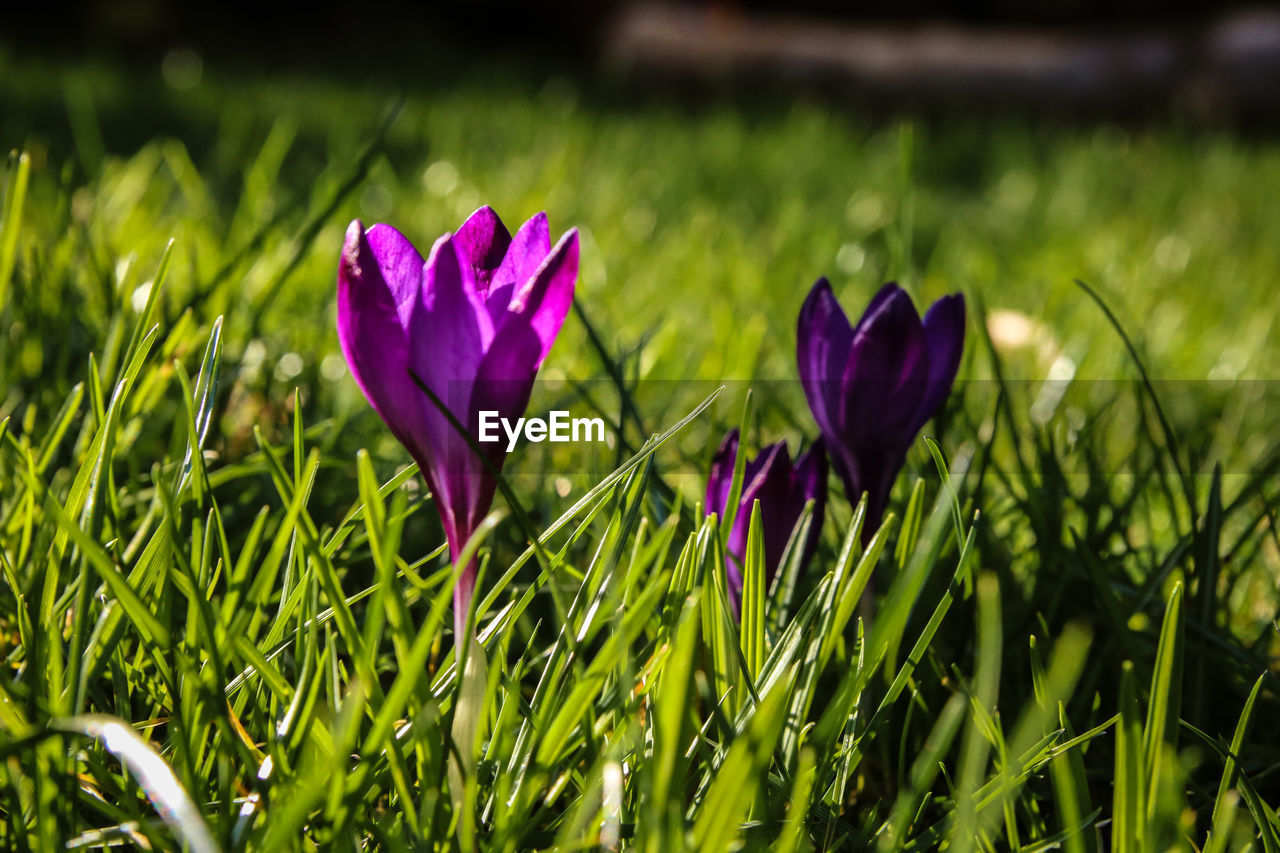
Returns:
(566,251)
(813,456)
(890,308)
(445,239)
(891,292)
(730,440)
(820,292)
(483,212)
(568,238)
(720,474)
(351,243)
(482,241)
(947,313)
(821,287)
(815,450)
(777,453)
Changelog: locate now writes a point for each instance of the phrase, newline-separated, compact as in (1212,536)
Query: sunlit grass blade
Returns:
(731,508)
(924,770)
(728,800)
(975,748)
(795,834)
(890,624)
(592,495)
(1159,738)
(781,599)
(753,596)
(670,706)
(1129,814)
(202,399)
(154,776)
(1070,786)
(14,201)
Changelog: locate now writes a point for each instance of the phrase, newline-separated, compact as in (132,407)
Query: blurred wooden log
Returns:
(1230,66)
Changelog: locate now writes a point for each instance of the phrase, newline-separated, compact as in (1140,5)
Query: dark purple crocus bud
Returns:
(473,323)
(782,490)
(871,387)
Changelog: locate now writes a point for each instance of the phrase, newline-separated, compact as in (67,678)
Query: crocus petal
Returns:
(450,331)
(780,505)
(546,298)
(504,377)
(765,479)
(880,470)
(883,381)
(811,474)
(434,343)
(446,343)
(529,248)
(482,243)
(781,492)
(944,338)
(811,485)
(503,383)
(401,267)
(762,476)
(770,460)
(372,285)
(883,295)
(720,480)
(823,341)
(895,373)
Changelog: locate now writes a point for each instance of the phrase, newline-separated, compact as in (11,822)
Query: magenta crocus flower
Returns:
(473,323)
(782,490)
(871,387)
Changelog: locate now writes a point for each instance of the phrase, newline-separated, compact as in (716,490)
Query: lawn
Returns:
(225,612)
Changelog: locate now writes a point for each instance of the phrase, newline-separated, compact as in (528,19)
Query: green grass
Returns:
(225,609)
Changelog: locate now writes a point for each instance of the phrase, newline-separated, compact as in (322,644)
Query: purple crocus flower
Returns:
(782,490)
(871,387)
(474,322)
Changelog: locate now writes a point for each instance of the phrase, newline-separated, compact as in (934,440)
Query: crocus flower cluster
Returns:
(472,323)
(433,343)
(871,387)
(782,489)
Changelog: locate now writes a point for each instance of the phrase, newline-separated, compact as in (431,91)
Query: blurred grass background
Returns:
(705,221)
